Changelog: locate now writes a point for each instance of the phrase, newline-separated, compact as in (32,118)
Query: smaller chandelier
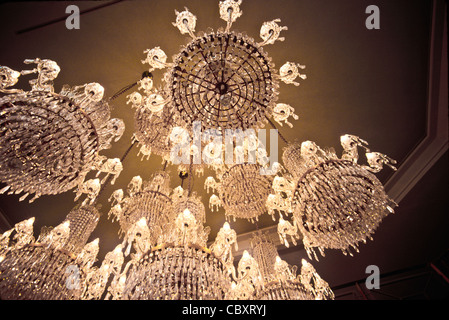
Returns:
(242,191)
(143,199)
(268,277)
(152,125)
(336,202)
(54,266)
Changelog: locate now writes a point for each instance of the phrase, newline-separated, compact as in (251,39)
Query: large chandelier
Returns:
(277,279)
(223,79)
(177,266)
(217,92)
(165,246)
(49,142)
(219,82)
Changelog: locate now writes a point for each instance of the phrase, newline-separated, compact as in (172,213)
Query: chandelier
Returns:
(218,91)
(277,279)
(178,266)
(150,200)
(220,81)
(165,246)
(54,266)
(336,202)
(242,191)
(223,79)
(49,142)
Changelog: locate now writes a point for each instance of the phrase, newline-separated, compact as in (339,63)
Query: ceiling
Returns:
(388,86)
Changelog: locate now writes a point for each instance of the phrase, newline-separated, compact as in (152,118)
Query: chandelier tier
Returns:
(192,202)
(152,131)
(223,79)
(49,141)
(54,266)
(176,273)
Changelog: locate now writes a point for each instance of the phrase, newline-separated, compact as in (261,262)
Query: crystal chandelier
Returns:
(220,82)
(336,202)
(280,279)
(49,141)
(242,191)
(165,246)
(54,266)
(150,200)
(267,277)
(178,267)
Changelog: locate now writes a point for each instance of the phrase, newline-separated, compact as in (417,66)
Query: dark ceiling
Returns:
(382,85)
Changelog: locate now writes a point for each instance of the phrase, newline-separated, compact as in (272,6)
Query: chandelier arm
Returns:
(274,127)
(145,74)
(183,71)
(208,65)
(188,29)
(110,176)
(238,69)
(223,58)
(190,175)
(123,90)
(268,39)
